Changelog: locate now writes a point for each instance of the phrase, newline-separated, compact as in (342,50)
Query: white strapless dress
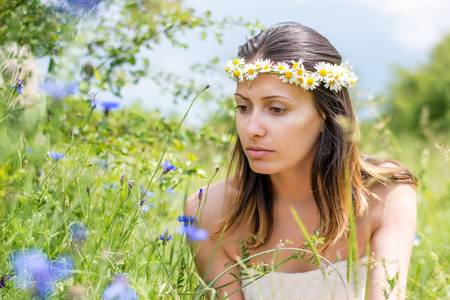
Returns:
(310,285)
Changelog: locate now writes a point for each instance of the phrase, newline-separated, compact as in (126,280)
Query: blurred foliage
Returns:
(421,96)
(108,45)
(24,22)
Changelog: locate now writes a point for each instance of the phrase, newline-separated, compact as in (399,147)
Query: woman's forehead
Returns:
(266,85)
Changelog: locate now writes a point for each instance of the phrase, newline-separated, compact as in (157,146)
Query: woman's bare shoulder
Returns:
(391,200)
(213,204)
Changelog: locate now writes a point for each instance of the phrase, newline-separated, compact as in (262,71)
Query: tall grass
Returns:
(95,187)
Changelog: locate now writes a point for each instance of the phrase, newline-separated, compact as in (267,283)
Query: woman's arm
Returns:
(205,253)
(394,218)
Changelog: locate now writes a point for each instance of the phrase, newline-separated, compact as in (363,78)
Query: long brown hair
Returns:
(337,158)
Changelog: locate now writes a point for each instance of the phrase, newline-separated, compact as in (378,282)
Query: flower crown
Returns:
(335,77)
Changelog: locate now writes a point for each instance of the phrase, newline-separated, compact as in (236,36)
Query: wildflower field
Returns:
(92,191)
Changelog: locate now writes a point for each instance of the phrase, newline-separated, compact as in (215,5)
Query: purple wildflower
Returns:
(56,155)
(200,195)
(103,163)
(19,85)
(62,268)
(186,220)
(109,106)
(147,193)
(78,232)
(2,281)
(165,238)
(416,240)
(171,191)
(94,100)
(143,206)
(119,290)
(167,166)
(33,269)
(193,233)
(59,90)
(122,178)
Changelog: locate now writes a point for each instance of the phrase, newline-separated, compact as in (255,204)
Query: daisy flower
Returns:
(288,76)
(250,71)
(258,64)
(281,67)
(311,82)
(238,75)
(300,80)
(297,64)
(266,66)
(333,85)
(323,70)
(239,61)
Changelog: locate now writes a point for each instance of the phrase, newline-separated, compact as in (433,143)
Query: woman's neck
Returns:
(293,186)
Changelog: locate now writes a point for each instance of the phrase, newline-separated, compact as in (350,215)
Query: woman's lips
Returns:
(257,152)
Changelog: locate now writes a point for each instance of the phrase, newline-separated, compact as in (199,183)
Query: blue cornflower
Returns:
(147,193)
(56,155)
(2,281)
(111,186)
(165,238)
(193,233)
(78,231)
(29,150)
(143,206)
(416,240)
(171,191)
(109,105)
(168,167)
(103,163)
(59,90)
(119,290)
(19,85)
(33,269)
(186,220)
(200,195)
(94,100)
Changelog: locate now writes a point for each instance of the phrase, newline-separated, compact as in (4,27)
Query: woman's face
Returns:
(278,124)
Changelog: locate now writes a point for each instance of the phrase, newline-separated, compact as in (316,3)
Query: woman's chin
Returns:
(263,170)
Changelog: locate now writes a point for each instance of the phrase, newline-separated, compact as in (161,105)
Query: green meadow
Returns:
(75,169)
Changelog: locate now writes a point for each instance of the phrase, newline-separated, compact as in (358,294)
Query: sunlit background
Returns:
(375,36)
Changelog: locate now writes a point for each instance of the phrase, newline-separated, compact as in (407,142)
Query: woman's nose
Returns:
(255,126)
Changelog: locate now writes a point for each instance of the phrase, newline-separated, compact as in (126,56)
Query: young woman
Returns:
(297,150)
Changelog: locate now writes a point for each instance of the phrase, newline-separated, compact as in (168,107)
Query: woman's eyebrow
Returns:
(265,98)
(239,95)
(276,96)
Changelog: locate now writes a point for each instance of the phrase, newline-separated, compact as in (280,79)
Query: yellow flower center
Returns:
(235,62)
(300,72)
(227,69)
(310,81)
(237,73)
(331,82)
(257,66)
(266,67)
(352,82)
(295,65)
(281,68)
(251,71)
(288,74)
(301,80)
(323,72)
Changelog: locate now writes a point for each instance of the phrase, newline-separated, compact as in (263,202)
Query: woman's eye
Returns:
(278,110)
(242,108)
